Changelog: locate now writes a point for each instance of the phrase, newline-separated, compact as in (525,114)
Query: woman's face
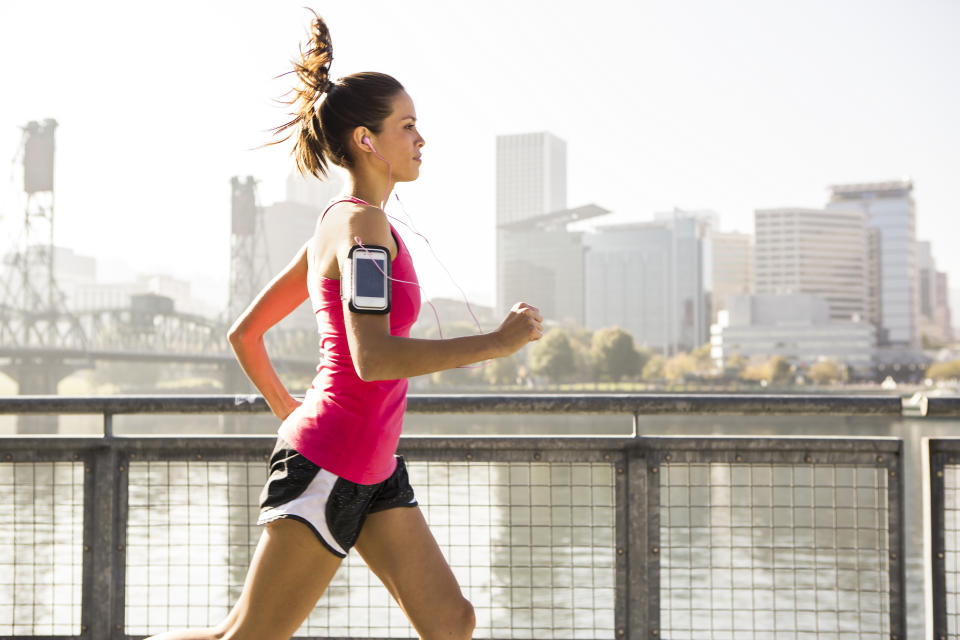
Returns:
(399,142)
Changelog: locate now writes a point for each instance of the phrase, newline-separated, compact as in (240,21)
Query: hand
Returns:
(523,324)
(288,407)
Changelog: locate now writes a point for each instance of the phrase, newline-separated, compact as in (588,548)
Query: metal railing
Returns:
(945,536)
(614,537)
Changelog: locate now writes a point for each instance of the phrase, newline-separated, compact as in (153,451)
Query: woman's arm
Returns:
(278,299)
(378,355)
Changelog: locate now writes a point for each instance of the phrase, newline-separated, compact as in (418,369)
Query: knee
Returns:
(456,623)
(467,620)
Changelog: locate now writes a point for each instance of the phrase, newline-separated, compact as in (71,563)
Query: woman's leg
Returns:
(399,548)
(288,573)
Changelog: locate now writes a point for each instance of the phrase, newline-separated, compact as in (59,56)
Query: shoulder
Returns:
(348,221)
(353,218)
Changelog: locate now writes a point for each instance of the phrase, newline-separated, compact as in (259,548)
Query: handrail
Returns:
(629,403)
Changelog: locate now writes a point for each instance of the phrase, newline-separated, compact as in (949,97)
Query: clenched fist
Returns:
(523,324)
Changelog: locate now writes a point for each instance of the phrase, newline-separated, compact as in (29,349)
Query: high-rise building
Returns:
(932,288)
(874,281)
(731,267)
(815,252)
(890,209)
(538,260)
(531,176)
(647,278)
(953,295)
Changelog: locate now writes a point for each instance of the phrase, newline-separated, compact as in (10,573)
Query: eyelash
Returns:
(409,126)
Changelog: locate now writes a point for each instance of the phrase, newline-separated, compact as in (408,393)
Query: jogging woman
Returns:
(335,481)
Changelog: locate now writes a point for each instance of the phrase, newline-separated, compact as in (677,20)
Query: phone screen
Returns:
(370,278)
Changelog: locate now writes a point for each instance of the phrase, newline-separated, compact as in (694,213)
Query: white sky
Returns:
(730,106)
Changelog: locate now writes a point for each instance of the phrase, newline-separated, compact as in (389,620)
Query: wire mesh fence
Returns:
(945,530)
(41,548)
(548,537)
(774,551)
(531,544)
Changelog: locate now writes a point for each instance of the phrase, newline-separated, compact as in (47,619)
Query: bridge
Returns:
(39,349)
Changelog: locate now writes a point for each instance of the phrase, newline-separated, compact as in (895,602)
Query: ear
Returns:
(357,139)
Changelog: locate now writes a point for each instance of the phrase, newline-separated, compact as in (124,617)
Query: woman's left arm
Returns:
(279,298)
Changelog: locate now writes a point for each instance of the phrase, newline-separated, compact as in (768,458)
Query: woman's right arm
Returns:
(284,293)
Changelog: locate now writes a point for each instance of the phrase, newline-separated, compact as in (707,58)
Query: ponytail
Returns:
(326,112)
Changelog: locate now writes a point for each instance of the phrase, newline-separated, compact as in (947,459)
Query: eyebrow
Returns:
(409,118)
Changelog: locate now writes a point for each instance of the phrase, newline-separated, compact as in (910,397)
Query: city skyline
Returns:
(765,120)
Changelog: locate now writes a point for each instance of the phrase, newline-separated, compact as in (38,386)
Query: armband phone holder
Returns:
(365,281)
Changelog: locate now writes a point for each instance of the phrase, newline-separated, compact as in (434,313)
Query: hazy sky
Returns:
(730,106)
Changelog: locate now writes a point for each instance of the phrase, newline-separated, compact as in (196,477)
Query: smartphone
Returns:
(367,285)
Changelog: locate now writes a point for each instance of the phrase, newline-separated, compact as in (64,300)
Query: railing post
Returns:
(898,558)
(938,462)
(99,544)
(643,535)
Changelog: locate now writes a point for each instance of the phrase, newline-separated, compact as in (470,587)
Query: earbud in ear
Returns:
(366,141)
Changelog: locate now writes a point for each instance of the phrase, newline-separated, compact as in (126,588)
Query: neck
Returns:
(370,186)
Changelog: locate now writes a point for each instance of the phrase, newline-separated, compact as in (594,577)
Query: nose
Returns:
(420,141)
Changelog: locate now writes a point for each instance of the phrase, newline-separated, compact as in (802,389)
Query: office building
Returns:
(731,266)
(538,260)
(932,291)
(798,327)
(647,278)
(889,208)
(814,252)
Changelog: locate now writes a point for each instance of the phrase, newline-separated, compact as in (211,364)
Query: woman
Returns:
(335,481)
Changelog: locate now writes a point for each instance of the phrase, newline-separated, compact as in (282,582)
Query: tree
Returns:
(779,370)
(735,364)
(702,356)
(776,370)
(944,370)
(552,356)
(677,367)
(614,355)
(580,340)
(501,370)
(827,372)
(653,370)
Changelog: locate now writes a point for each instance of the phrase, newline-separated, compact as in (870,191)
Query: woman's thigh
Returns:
(289,572)
(398,547)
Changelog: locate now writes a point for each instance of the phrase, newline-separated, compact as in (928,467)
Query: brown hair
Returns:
(358,100)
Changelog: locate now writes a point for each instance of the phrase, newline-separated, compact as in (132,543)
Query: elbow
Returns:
(367,367)
(239,339)
(366,372)
(234,336)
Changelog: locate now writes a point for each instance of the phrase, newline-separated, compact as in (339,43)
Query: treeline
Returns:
(575,355)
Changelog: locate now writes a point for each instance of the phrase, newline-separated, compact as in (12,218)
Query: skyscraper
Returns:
(817,252)
(731,264)
(932,290)
(531,176)
(890,209)
(538,260)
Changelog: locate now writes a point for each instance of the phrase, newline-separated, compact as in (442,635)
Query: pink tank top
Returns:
(345,425)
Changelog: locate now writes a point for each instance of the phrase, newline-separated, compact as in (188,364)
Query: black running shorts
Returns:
(333,507)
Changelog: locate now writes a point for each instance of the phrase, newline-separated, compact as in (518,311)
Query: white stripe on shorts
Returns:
(311,505)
